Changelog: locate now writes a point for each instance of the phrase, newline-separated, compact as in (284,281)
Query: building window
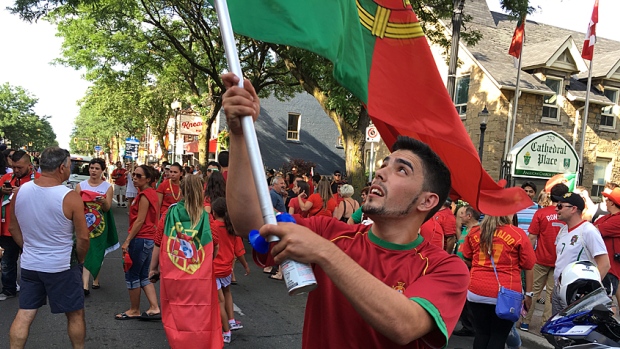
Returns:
(461,94)
(608,119)
(292,133)
(602,175)
(550,103)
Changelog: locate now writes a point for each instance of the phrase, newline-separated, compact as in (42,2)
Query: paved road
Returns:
(271,318)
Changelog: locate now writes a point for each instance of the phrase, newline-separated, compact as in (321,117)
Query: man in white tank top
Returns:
(51,267)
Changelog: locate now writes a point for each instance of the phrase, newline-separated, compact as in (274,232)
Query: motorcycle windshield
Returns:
(588,302)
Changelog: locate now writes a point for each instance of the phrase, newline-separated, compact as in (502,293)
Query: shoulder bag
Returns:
(508,305)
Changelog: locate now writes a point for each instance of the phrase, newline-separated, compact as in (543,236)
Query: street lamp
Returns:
(484,117)
(176,106)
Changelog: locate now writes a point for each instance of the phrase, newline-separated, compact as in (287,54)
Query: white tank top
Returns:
(47,233)
(100,189)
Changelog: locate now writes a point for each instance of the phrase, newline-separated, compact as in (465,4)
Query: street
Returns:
(270,317)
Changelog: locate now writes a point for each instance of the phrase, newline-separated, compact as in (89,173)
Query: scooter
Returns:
(585,324)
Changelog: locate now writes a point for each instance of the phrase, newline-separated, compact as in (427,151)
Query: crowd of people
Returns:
(399,268)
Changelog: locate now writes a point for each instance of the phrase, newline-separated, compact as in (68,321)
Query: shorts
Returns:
(140,251)
(223,282)
(120,189)
(63,289)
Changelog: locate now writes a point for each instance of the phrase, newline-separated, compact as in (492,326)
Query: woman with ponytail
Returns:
(511,250)
(182,258)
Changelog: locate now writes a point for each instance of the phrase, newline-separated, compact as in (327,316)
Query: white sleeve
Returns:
(594,241)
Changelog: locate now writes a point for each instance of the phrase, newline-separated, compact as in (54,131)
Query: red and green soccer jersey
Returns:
(422,272)
(512,252)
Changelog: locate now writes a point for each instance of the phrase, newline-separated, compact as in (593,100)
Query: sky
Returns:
(28,50)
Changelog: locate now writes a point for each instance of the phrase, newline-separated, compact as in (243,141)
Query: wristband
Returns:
(529,294)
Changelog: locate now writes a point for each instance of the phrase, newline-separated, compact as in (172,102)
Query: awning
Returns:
(192,147)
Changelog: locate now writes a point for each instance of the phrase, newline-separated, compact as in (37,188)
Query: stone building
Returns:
(553,90)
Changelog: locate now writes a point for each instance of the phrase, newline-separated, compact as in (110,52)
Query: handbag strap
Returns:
(495,269)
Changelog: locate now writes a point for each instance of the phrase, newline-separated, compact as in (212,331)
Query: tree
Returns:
(20,124)
(165,43)
(312,73)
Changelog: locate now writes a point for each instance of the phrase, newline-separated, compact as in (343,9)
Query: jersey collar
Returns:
(392,246)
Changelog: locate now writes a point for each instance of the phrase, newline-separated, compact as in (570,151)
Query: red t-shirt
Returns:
(546,225)
(230,246)
(294,203)
(512,251)
(609,226)
(171,192)
(147,231)
(119,176)
(6,209)
(420,271)
(446,219)
(317,206)
(432,232)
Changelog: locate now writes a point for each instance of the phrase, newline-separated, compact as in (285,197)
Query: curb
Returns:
(530,340)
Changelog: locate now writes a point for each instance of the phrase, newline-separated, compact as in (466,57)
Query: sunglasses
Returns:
(212,169)
(560,206)
(137,175)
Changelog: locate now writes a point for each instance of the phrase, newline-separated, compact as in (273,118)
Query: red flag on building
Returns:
(588,43)
(517,39)
(381,55)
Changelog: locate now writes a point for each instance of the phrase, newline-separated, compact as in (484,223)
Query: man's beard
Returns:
(382,211)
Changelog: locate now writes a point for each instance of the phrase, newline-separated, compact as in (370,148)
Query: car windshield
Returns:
(588,302)
(80,167)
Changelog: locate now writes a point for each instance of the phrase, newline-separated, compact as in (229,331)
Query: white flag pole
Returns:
(249,133)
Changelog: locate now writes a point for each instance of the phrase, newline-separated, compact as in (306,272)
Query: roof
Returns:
(541,44)
(577,92)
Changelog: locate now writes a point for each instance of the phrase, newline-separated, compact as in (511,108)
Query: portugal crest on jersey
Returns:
(94,219)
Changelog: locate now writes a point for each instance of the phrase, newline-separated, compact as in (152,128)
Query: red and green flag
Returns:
(381,55)
(188,294)
(102,231)
(517,39)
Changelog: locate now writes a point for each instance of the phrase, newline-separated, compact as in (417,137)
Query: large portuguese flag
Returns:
(188,294)
(381,55)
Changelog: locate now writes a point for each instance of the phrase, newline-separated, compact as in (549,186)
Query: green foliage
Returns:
(20,124)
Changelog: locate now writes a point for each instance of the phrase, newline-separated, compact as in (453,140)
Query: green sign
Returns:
(543,155)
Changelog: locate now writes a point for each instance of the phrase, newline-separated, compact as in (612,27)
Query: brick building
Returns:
(553,90)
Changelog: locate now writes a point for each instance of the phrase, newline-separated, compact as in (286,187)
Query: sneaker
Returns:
(226,336)
(524,327)
(124,205)
(235,326)
(4,296)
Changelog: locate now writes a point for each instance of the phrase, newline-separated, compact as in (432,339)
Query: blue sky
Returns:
(28,49)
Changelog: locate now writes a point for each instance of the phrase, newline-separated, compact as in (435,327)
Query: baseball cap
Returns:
(337,172)
(573,199)
(167,167)
(614,196)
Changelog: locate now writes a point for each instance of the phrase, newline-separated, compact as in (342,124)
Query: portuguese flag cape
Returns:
(188,294)
(102,230)
(381,55)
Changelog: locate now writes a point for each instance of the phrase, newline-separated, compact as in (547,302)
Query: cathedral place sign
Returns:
(543,155)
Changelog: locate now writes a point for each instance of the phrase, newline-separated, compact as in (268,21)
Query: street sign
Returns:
(372,135)
(98,148)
